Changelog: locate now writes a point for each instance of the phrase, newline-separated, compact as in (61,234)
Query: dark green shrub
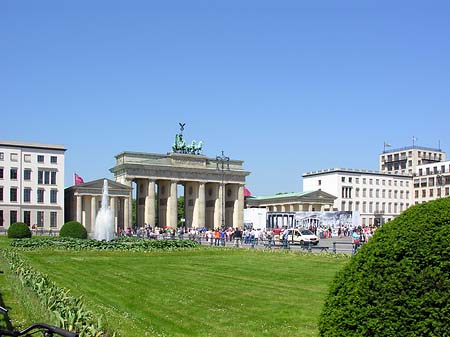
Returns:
(398,284)
(19,230)
(73,229)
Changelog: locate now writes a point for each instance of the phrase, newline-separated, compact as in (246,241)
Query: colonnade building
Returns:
(213,191)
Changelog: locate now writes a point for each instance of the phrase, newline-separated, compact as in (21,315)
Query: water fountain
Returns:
(104,222)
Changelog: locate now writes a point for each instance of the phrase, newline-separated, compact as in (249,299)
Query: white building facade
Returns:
(378,197)
(31,184)
(431,181)
(406,160)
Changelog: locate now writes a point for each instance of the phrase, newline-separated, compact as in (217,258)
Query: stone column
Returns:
(236,218)
(240,212)
(283,208)
(172,205)
(93,214)
(112,205)
(126,222)
(200,205)
(79,209)
(150,213)
(218,207)
(129,206)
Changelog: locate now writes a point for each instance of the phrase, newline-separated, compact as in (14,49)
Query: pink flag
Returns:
(78,179)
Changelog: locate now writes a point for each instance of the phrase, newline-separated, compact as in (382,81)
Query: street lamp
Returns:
(221,161)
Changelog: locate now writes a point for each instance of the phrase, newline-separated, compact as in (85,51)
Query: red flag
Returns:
(78,179)
(247,193)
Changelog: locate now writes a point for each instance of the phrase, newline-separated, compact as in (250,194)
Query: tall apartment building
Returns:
(31,184)
(378,197)
(405,160)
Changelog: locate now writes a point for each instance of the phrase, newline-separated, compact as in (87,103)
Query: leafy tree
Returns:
(398,284)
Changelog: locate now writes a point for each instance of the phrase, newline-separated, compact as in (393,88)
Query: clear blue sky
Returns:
(287,86)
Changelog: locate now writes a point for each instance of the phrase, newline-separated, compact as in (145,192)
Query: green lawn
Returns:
(198,292)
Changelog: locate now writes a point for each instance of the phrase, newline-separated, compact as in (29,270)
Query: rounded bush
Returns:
(19,230)
(398,283)
(73,229)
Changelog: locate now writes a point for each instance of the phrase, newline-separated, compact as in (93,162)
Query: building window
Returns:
(350,179)
(47,177)
(40,158)
(401,194)
(416,194)
(424,193)
(27,158)
(370,181)
(390,194)
(357,192)
(53,159)
(27,194)
(357,206)
(1,172)
(319,182)
(53,177)
(1,218)
(371,193)
(2,156)
(343,179)
(27,174)
(40,195)
(364,180)
(364,207)
(13,194)
(1,193)
(377,181)
(383,193)
(377,193)
(40,177)
(364,192)
(53,196)
(27,217)
(13,173)
(14,157)
(40,218)
(12,217)
(370,207)
(53,219)
(431,192)
(357,180)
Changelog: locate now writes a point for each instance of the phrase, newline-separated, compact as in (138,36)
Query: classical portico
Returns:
(213,194)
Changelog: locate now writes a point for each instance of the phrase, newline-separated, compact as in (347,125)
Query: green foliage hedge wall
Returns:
(398,284)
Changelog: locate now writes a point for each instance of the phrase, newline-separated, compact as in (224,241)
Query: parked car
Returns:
(300,236)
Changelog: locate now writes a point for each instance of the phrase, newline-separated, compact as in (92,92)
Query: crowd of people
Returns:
(253,236)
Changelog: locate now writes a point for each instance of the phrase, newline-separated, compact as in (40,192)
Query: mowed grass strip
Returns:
(199,292)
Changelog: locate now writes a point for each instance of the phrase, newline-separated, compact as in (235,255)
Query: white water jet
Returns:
(104,222)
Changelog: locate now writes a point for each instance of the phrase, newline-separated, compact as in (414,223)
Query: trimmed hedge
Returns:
(398,284)
(125,244)
(73,229)
(19,230)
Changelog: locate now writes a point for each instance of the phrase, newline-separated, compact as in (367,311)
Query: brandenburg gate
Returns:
(213,187)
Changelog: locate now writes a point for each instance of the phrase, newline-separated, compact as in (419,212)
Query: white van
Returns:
(300,236)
